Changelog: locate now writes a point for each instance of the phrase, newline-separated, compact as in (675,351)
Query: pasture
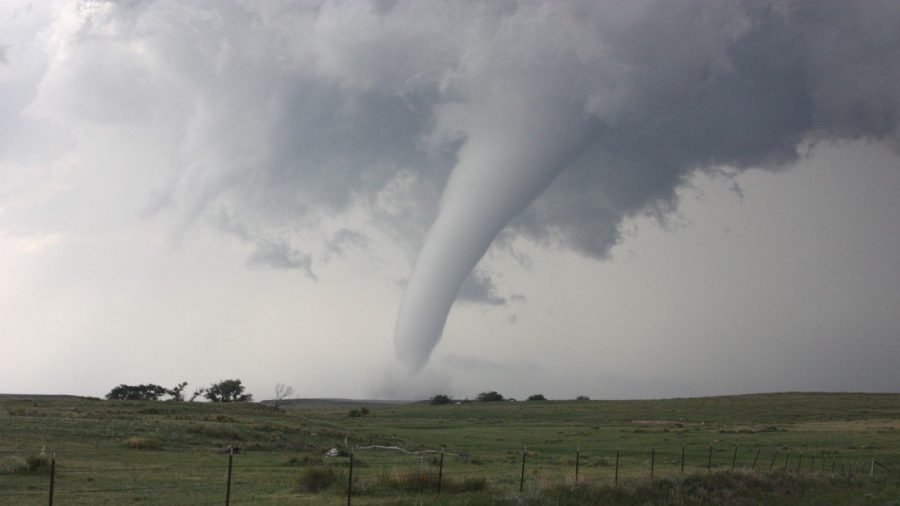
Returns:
(792,448)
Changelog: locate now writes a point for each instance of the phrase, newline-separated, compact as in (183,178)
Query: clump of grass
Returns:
(13,464)
(219,432)
(418,481)
(409,480)
(143,443)
(306,460)
(33,464)
(315,479)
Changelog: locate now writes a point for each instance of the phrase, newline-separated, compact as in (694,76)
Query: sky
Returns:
(394,199)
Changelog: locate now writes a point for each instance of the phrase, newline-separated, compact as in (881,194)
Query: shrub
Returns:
(439,399)
(537,397)
(317,478)
(142,443)
(491,396)
(38,464)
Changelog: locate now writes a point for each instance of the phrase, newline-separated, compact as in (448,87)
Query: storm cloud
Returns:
(443,123)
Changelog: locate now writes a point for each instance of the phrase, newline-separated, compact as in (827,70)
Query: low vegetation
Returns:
(155,452)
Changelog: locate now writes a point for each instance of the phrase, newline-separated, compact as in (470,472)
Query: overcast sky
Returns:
(657,199)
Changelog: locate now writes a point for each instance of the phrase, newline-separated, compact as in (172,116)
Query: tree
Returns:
(440,399)
(282,392)
(582,398)
(149,392)
(537,397)
(491,396)
(177,392)
(227,391)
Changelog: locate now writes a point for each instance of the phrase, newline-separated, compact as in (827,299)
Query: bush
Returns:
(537,397)
(439,399)
(317,478)
(491,396)
(142,443)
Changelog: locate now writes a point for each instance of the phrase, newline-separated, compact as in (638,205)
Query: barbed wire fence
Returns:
(376,473)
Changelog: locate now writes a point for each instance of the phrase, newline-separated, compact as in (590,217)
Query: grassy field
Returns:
(803,448)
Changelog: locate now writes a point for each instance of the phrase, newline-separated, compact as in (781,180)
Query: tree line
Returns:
(229,390)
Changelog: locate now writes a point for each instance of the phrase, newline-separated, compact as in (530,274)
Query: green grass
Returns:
(132,452)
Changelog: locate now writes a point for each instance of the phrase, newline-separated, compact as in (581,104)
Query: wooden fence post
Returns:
(616,480)
(228,482)
(52,472)
(755,458)
(350,480)
(652,461)
(522,476)
(440,471)
(577,458)
(682,460)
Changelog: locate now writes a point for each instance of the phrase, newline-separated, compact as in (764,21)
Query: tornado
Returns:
(501,169)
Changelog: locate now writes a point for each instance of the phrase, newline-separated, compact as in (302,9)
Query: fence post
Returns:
(734,458)
(228,481)
(682,460)
(441,471)
(577,458)
(787,458)
(522,475)
(709,461)
(812,462)
(755,458)
(799,460)
(832,466)
(872,469)
(652,462)
(350,480)
(52,472)
(616,480)
(772,464)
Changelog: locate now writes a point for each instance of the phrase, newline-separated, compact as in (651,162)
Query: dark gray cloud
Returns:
(480,288)
(344,239)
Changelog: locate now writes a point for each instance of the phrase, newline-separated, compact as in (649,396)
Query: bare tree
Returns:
(282,392)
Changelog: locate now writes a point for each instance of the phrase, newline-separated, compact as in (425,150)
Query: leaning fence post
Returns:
(522,475)
(682,460)
(787,458)
(734,458)
(440,471)
(616,479)
(228,481)
(52,472)
(771,464)
(577,458)
(755,458)
(872,469)
(350,480)
(709,461)
(652,462)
